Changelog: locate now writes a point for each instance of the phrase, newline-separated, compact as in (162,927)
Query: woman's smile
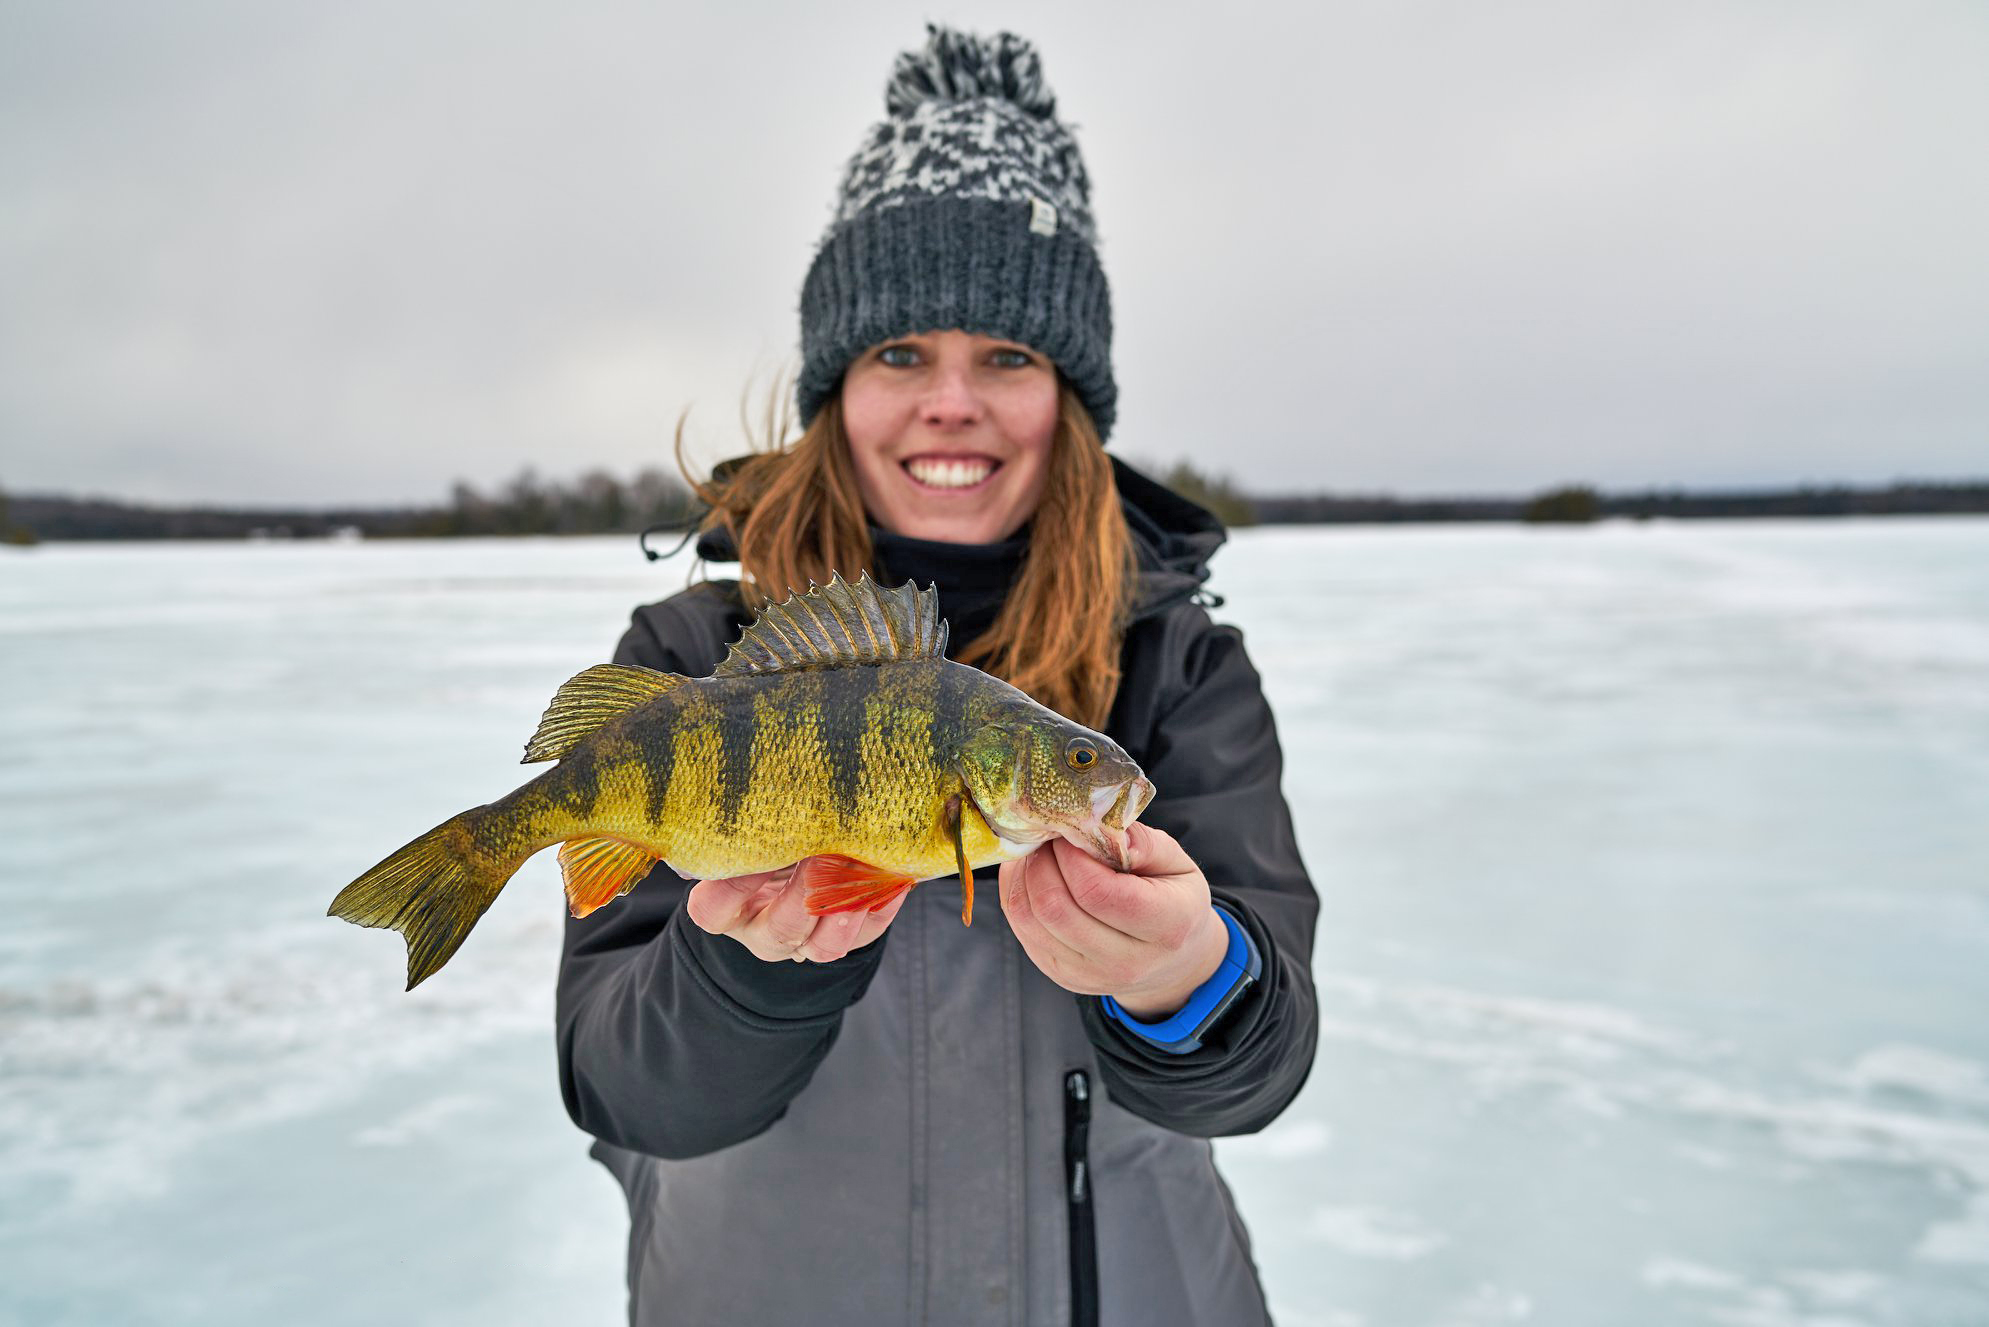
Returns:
(951,474)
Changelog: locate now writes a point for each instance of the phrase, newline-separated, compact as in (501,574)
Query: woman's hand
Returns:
(768,913)
(1147,937)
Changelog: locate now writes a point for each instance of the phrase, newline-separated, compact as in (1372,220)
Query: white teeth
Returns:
(949,474)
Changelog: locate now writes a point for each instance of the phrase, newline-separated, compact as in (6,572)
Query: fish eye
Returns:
(1081,753)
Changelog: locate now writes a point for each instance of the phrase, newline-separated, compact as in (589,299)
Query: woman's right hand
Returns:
(768,913)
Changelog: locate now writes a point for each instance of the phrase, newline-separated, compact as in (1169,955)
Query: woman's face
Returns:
(950,433)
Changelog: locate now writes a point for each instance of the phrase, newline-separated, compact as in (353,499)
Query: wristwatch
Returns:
(1241,966)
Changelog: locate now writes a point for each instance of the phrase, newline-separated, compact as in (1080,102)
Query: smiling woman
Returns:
(907,1122)
(951,434)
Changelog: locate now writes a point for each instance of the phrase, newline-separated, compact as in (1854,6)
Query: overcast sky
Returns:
(318,252)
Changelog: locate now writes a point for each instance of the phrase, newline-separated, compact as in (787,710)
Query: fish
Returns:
(835,734)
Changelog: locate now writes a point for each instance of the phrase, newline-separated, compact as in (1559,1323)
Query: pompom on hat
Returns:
(967,207)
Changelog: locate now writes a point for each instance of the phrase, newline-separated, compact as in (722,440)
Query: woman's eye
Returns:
(898,357)
(1010,359)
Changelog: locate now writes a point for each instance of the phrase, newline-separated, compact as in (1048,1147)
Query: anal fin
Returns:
(843,884)
(599,871)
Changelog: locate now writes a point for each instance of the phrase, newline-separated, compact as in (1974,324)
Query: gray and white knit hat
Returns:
(968,208)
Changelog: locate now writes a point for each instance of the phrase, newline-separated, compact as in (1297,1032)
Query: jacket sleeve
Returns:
(676,1042)
(1215,760)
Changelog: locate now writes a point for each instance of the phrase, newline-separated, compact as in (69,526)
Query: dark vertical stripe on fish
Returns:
(842,717)
(949,712)
(580,785)
(738,721)
(659,754)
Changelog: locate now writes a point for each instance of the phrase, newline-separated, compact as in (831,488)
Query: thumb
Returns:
(1154,852)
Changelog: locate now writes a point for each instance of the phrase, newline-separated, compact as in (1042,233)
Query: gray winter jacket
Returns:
(930,1131)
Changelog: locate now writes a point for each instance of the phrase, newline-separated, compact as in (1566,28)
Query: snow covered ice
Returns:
(1652,964)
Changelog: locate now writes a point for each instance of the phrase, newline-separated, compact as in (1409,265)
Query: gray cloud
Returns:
(299,253)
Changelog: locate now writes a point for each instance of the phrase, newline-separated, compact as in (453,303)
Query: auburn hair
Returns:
(797,516)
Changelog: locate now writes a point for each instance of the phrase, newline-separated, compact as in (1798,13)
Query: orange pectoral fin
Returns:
(843,884)
(599,871)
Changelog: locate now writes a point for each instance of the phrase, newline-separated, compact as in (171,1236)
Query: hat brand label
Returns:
(1042,217)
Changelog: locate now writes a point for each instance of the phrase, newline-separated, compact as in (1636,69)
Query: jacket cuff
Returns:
(1242,963)
(759,991)
(1231,1038)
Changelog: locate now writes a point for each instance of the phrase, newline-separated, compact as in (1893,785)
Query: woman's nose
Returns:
(952,400)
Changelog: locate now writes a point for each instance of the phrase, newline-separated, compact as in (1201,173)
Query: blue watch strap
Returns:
(1241,966)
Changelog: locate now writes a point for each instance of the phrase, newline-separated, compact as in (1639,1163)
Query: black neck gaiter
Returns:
(973,579)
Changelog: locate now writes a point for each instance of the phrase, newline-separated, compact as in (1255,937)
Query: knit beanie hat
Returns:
(968,208)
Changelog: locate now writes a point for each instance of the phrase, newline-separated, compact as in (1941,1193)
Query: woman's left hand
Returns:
(1147,936)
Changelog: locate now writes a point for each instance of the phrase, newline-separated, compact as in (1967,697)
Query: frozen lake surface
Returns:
(1654,959)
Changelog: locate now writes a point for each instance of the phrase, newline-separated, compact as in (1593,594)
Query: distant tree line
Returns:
(1215,492)
(11,533)
(1577,503)
(599,503)
(1904,498)
(595,503)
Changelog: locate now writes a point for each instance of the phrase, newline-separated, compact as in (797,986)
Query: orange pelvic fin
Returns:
(599,871)
(953,818)
(843,884)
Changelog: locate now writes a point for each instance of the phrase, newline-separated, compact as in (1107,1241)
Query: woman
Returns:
(892,1118)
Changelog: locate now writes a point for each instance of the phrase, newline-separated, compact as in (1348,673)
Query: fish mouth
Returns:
(1133,796)
(1106,837)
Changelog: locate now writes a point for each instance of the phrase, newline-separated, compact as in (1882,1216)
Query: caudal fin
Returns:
(432,891)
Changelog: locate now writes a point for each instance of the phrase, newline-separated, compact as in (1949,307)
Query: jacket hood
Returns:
(1173,540)
(1173,537)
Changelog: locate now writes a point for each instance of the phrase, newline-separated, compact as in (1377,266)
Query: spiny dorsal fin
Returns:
(590,699)
(838,624)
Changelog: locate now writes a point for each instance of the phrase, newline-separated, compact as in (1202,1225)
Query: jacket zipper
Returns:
(1077,1189)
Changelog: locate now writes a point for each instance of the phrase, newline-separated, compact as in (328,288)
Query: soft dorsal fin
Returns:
(591,698)
(838,624)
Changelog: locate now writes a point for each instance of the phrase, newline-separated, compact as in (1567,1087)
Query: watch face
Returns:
(1243,983)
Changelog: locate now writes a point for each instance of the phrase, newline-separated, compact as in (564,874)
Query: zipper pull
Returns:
(1077,1130)
(1077,1169)
(1078,1084)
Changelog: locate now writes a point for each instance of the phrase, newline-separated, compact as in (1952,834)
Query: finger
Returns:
(783,925)
(731,900)
(1154,853)
(1155,909)
(1102,949)
(876,923)
(719,906)
(1103,893)
(1054,894)
(1059,961)
(834,936)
